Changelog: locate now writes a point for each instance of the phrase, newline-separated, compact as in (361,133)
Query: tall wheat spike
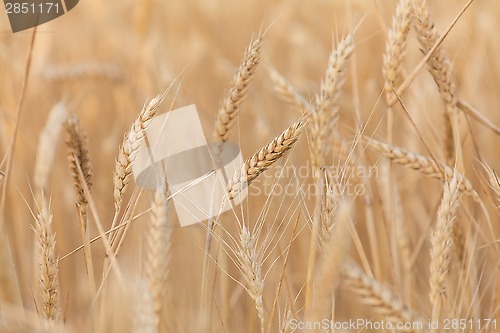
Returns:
(325,111)
(130,146)
(377,296)
(48,265)
(396,45)
(230,105)
(158,252)
(442,248)
(425,165)
(78,155)
(441,69)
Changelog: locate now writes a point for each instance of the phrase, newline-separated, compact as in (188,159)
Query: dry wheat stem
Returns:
(230,105)
(129,147)
(441,70)
(158,252)
(378,297)
(264,158)
(396,46)
(442,247)
(425,165)
(325,111)
(48,265)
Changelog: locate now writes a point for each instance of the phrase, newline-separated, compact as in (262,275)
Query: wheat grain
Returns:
(230,105)
(442,246)
(264,158)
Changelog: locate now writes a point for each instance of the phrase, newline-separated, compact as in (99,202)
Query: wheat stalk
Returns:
(425,165)
(264,158)
(230,105)
(441,69)
(48,265)
(442,247)
(377,296)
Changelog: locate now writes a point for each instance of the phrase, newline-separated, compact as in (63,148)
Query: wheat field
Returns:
(369,133)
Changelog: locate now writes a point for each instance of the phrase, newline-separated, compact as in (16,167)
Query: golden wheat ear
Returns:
(230,105)
(48,265)
(425,165)
(79,158)
(264,158)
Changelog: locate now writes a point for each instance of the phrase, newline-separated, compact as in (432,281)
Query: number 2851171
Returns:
(32,8)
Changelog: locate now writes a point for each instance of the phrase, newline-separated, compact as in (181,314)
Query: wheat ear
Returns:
(230,105)
(494,184)
(377,296)
(264,158)
(249,260)
(336,251)
(325,111)
(424,164)
(396,45)
(158,252)
(48,265)
(47,145)
(287,91)
(78,156)
(130,146)
(441,69)
(442,247)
